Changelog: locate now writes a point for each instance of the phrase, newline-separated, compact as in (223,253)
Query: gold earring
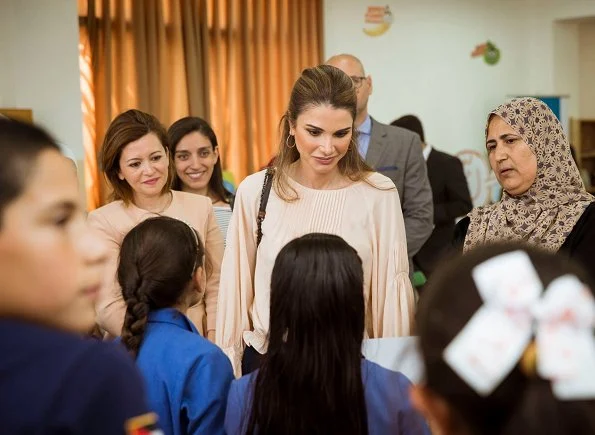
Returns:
(287,141)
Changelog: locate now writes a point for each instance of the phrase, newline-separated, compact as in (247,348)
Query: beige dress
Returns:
(115,220)
(369,218)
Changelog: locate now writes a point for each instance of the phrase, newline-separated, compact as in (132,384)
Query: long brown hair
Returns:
(317,86)
(176,133)
(128,127)
(158,259)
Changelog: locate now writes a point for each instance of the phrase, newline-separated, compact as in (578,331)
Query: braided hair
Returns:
(158,260)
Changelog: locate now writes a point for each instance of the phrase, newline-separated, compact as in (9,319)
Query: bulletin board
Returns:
(25,115)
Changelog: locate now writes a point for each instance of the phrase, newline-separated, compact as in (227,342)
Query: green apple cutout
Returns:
(491,56)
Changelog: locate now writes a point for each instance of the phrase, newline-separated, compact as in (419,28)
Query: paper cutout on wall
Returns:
(378,20)
(483,186)
(489,52)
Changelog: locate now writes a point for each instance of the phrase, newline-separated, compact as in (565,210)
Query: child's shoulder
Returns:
(64,351)
(50,369)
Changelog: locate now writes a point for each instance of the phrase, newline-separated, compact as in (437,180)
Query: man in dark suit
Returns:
(395,153)
(451,197)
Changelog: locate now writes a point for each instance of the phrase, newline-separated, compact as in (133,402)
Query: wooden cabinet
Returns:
(582,138)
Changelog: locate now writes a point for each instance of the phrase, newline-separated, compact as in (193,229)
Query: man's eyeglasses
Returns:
(357,81)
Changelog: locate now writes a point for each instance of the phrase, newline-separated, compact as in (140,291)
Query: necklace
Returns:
(167,204)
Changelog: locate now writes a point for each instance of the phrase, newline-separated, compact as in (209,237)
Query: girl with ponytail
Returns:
(160,270)
(509,349)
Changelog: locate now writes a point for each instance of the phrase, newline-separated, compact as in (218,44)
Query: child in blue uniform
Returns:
(51,379)
(313,379)
(187,377)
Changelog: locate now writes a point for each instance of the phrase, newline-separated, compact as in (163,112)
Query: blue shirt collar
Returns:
(172,316)
(366,127)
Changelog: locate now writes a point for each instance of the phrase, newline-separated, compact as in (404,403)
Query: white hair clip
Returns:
(493,341)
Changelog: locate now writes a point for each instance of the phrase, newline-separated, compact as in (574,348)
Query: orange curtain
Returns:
(257,49)
(144,54)
(232,62)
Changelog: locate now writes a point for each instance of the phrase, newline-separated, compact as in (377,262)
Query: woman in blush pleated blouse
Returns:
(320,184)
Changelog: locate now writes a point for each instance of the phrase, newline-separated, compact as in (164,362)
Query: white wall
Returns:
(553,52)
(6,30)
(587,69)
(39,65)
(566,55)
(422,64)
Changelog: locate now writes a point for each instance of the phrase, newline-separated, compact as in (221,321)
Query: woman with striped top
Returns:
(193,146)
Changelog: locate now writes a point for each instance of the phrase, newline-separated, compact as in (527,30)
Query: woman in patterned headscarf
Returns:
(544,201)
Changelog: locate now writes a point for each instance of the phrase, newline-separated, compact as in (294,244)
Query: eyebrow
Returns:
(502,137)
(206,147)
(138,158)
(318,128)
(64,205)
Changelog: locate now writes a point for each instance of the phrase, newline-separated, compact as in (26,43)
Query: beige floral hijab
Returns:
(545,214)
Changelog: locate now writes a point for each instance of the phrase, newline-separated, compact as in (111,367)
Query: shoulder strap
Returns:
(264,199)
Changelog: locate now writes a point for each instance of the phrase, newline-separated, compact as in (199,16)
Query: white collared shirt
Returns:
(426,151)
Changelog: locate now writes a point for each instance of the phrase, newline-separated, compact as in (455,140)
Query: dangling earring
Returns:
(287,141)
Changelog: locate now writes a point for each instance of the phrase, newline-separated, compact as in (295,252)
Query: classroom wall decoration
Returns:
(378,20)
(489,52)
(483,186)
